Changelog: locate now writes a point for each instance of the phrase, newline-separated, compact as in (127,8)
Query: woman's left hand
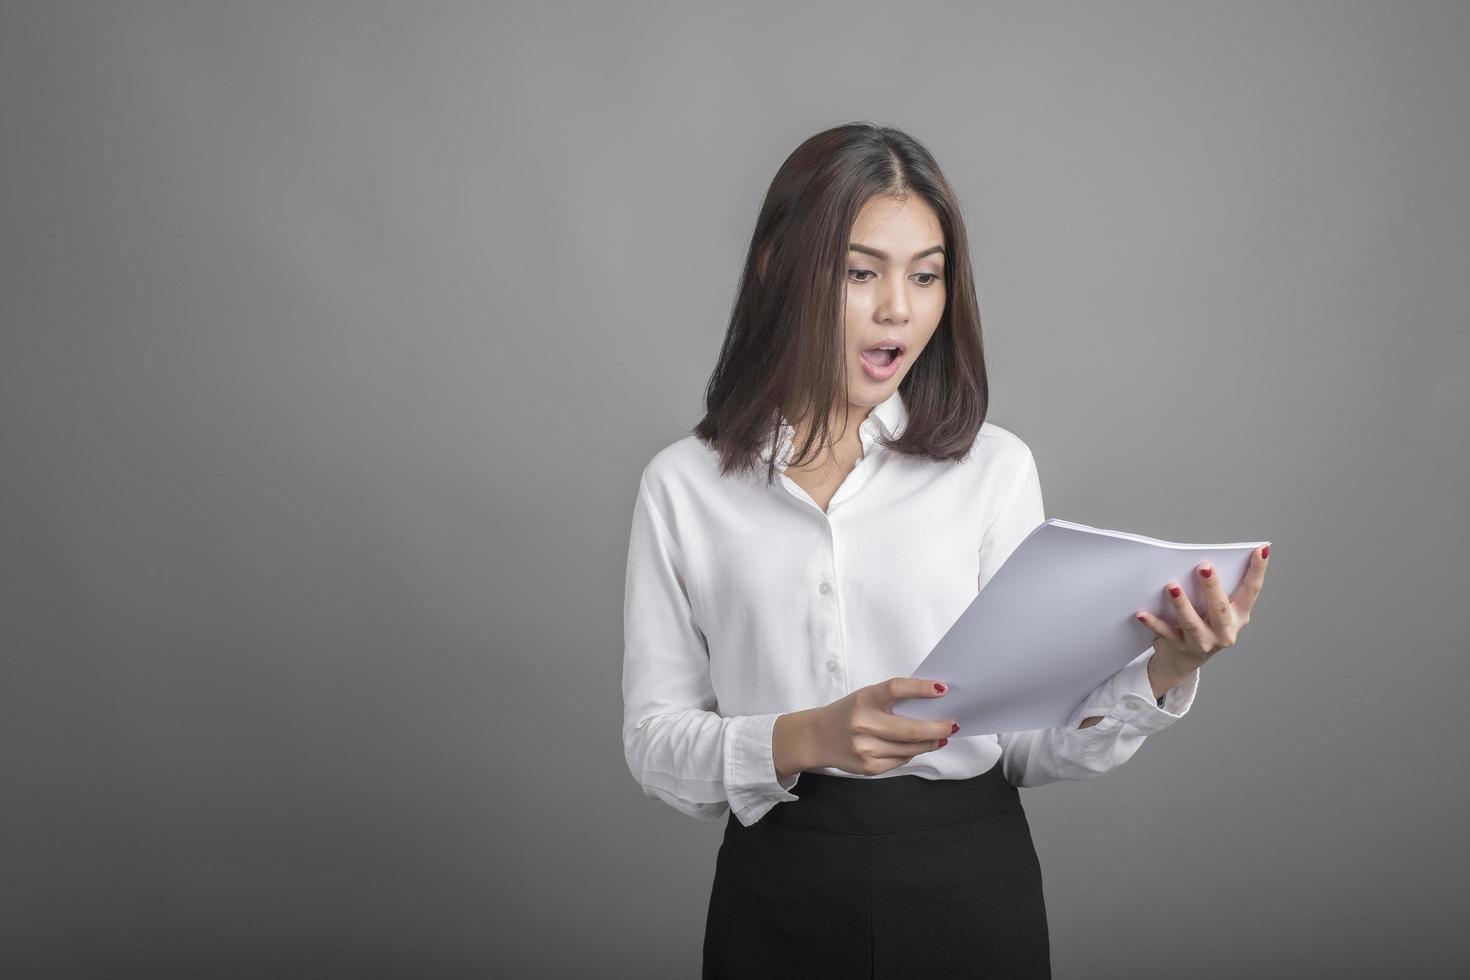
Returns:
(1186,646)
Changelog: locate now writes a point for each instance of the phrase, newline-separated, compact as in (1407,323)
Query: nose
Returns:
(894,307)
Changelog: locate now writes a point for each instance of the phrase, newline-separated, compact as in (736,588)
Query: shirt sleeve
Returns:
(1125,700)
(678,747)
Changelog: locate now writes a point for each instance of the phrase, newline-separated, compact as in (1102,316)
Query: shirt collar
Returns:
(889,416)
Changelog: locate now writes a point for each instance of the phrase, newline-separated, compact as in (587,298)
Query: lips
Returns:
(884,353)
(901,345)
(880,361)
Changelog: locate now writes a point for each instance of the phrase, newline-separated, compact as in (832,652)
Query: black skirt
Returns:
(892,876)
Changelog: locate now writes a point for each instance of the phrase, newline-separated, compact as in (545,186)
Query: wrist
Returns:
(790,743)
(1165,673)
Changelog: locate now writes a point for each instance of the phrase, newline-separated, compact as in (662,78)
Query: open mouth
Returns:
(881,356)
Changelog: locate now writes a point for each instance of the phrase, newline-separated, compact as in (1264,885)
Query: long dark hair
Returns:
(786,342)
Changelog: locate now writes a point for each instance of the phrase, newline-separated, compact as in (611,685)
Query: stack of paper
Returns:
(1057,619)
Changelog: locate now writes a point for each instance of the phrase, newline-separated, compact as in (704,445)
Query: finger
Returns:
(898,688)
(1189,620)
(1217,603)
(1250,586)
(897,728)
(884,749)
(1161,627)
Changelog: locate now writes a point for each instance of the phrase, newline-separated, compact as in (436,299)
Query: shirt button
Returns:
(824,588)
(831,666)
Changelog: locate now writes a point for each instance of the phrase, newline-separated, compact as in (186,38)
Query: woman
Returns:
(798,554)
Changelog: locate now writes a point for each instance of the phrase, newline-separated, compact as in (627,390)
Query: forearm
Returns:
(1162,676)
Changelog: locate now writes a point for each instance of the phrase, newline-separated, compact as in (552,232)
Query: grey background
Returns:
(336,335)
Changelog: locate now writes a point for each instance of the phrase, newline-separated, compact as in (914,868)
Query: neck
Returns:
(856,416)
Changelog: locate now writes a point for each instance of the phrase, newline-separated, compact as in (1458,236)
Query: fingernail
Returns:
(1140,618)
(1174,591)
(943,742)
(939,688)
(1266,551)
(954,729)
(1205,572)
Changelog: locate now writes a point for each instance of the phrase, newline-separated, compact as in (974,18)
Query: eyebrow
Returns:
(877,254)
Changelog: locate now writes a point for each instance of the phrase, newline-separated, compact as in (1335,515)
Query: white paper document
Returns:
(1057,619)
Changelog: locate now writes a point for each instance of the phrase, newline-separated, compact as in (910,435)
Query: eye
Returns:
(933,277)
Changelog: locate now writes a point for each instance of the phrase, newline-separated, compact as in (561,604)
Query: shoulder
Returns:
(997,447)
(680,459)
(682,466)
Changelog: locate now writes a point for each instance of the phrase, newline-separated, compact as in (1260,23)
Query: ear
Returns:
(763,256)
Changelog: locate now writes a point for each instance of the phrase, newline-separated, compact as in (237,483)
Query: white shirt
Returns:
(745,600)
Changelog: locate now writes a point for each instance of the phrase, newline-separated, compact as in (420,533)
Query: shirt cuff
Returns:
(1135,703)
(750,768)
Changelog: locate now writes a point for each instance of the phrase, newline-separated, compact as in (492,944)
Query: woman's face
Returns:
(895,293)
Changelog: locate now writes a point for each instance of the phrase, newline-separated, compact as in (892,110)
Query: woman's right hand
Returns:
(858,734)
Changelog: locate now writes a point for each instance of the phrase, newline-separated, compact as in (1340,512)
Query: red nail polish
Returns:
(1140,619)
(1206,572)
(1266,551)
(1174,591)
(954,729)
(943,742)
(939,688)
